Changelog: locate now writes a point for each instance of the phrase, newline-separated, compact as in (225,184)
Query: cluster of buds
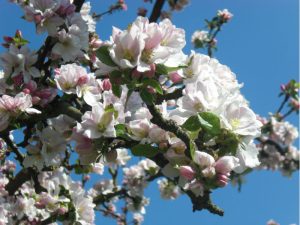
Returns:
(17,40)
(207,39)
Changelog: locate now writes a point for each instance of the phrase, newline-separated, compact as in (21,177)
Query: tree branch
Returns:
(171,126)
(156,11)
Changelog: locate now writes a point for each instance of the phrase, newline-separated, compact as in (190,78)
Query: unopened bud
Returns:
(175,77)
(106,84)
(150,73)
(136,74)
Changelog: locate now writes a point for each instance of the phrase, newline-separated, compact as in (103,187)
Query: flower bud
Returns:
(187,172)
(136,74)
(8,39)
(61,210)
(226,164)
(18,34)
(106,85)
(222,180)
(26,91)
(175,77)
(150,73)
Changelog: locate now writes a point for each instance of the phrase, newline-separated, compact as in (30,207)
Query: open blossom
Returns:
(239,118)
(168,190)
(19,62)
(69,76)
(144,43)
(283,131)
(200,36)
(97,123)
(13,106)
(43,13)
(225,15)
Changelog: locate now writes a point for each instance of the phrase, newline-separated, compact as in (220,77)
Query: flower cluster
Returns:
(277,151)
(98,103)
(207,39)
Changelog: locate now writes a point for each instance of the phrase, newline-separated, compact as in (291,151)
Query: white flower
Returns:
(84,209)
(226,164)
(168,190)
(283,131)
(248,157)
(200,35)
(97,123)
(85,10)
(19,61)
(240,119)
(127,47)
(42,12)
(203,159)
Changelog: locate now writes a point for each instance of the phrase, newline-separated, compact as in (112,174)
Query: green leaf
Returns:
(121,131)
(192,148)
(116,89)
(162,69)
(144,150)
(192,124)
(153,83)
(20,41)
(147,97)
(228,143)
(103,55)
(210,123)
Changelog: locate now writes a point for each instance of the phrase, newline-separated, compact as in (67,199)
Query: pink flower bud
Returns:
(82,80)
(18,34)
(95,43)
(282,87)
(18,80)
(61,210)
(26,91)
(222,180)
(106,84)
(151,72)
(225,164)
(57,71)
(44,93)
(187,172)
(8,39)
(31,86)
(124,7)
(175,77)
(35,100)
(135,74)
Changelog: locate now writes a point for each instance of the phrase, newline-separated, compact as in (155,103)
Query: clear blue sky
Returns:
(261,46)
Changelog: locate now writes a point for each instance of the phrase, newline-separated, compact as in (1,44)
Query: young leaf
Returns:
(144,150)
(210,123)
(103,55)
(153,83)
(162,69)
(116,89)
(192,124)
(147,97)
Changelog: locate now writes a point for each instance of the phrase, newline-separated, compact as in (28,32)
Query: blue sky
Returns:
(261,46)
